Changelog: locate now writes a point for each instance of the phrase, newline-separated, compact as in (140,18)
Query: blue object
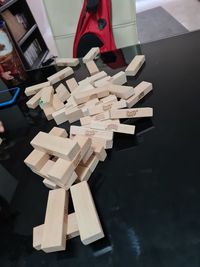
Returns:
(10,102)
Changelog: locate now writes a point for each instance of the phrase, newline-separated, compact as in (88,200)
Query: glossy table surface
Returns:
(147,192)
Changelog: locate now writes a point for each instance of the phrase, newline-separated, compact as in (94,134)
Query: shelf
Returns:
(27,34)
(40,59)
(8,4)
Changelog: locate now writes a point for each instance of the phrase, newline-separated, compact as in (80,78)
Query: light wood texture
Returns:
(49,184)
(60,116)
(121,91)
(59,132)
(45,169)
(91,163)
(92,54)
(54,145)
(37,236)
(83,173)
(119,78)
(131,113)
(60,75)
(55,225)
(92,67)
(107,106)
(62,93)
(72,84)
(99,117)
(84,143)
(87,156)
(74,114)
(46,97)
(99,151)
(32,90)
(48,111)
(87,218)
(57,103)
(85,96)
(93,78)
(36,159)
(102,82)
(34,101)
(135,65)
(140,91)
(64,62)
(110,98)
(114,127)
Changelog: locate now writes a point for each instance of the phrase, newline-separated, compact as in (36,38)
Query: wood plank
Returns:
(121,91)
(119,78)
(72,84)
(67,62)
(34,89)
(62,93)
(92,67)
(92,54)
(131,113)
(87,132)
(87,218)
(135,65)
(57,103)
(60,75)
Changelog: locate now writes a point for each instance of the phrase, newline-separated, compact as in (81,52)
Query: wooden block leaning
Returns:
(92,54)
(135,65)
(92,67)
(59,76)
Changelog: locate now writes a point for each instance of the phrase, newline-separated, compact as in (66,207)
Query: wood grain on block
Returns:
(48,111)
(92,54)
(91,163)
(131,113)
(114,127)
(85,96)
(121,91)
(87,218)
(93,78)
(55,225)
(92,67)
(110,98)
(79,130)
(45,169)
(87,156)
(46,97)
(102,82)
(57,103)
(99,117)
(119,78)
(60,75)
(72,84)
(37,236)
(32,90)
(74,114)
(140,91)
(60,116)
(70,182)
(59,132)
(72,226)
(62,93)
(83,173)
(60,147)
(36,159)
(107,144)
(99,151)
(49,184)
(84,143)
(135,65)
(64,62)
(34,101)
(107,106)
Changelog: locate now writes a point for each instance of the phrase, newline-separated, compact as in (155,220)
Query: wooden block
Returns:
(34,101)
(121,91)
(119,78)
(140,91)
(74,114)
(36,159)
(59,76)
(48,111)
(131,113)
(79,130)
(92,54)
(37,236)
(60,116)
(70,182)
(87,156)
(110,98)
(84,143)
(91,163)
(49,184)
(57,103)
(45,169)
(32,90)
(102,82)
(93,78)
(46,98)
(62,93)
(114,127)
(99,117)
(64,62)
(107,106)
(72,84)
(135,65)
(92,67)
(85,96)
(60,147)
(99,151)
(55,225)
(83,173)
(59,132)
(87,218)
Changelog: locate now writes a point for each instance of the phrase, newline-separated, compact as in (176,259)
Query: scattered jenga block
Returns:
(72,226)
(87,156)
(110,98)
(45,169)
(34,101)
(62,93)
(59,132)
(121,91)
(140,91)
(36,159)
(87,218)
(83,173)
(131,113)
(114,127)
(49,184)
(72,84)
(57,103)
(46,97)
(59,76)
(91,163)
(92,67)
(55,225)
(119,78)
(102,82)
(60,116)
(85,96)
(32,90)
(93,78)
(74,114)
(57,146)
(48,111)
(135,65)
(67,62)
(84,143)
(107,106)
(99,117)
(99,151)
(92,54)
(70,182)
(37,236)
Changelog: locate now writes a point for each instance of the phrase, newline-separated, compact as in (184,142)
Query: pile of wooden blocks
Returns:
(67,162)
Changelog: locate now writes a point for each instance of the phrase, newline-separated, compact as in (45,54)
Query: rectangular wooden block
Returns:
(114,127)
(46,98)
(84,143)
(60,147)
(36,159)
(32,90)
(135,65)
(119,78)
(140,91)
(60,75)
(72,84)
(55,225)
(74,114)
(92,67)
(107,106)
(62,93)
(70,182)
(99,117)
(83,173)
(87,218)
(59,132)
(34,101)
(49,184)
(87,156)
(110,98)
(91,163)
(92,54)
(121,91)
(45,169)
(85,96)
(93,78)
(64,62)
(60,116)
(57,103)
(99,151)
(131,113)
(37,236)
(48,111)
(102,82)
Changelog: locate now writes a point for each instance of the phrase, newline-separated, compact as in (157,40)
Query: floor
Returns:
(187,12)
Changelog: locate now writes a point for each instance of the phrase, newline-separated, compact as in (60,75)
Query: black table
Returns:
(147,192)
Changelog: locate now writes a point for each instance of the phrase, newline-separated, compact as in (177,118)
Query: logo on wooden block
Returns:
(112,127)
(131,114)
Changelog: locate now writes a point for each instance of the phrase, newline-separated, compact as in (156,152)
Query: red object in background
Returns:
(94,25)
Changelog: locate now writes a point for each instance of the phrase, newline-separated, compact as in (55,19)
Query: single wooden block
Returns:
(92,67)
(46,98)
(135,65)
(72,226)
(140,91)
(48,111)
(55,225)
(87,156)
(84,143)
(107,106)
(102,82)
(83,173)
(85,96)
(60,116)
(99,117)
(34,101)
(99,151)
(49,184)
(119,78)
(57,103)
(92,79)
(32,90)
(67,62)
(45,169)
(92,54)
(121,91)
(114,127)
(70,182)
(59,76)
(60,147)
(37,236)
(62,93)
(110,98)
(131,113)
(87,218)
(91,163)
(36,159)
(72,84)
(74,114)
(59,132)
